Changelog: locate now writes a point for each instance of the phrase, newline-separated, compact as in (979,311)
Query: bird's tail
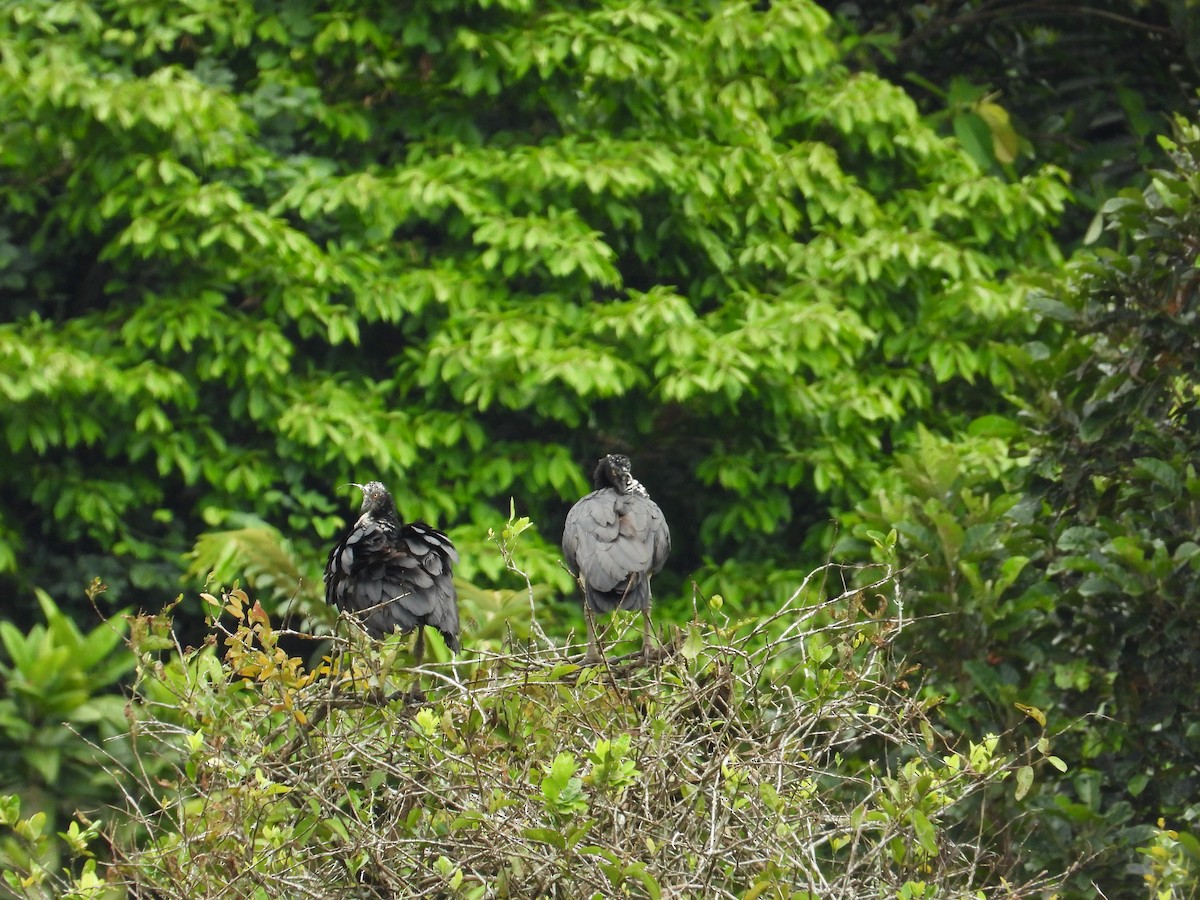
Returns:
(633,593)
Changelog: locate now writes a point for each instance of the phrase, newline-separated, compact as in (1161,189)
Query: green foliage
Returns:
(1061,559)
(1172,860)
(736,767)
(562,789)
(1085,86)
(26,841)
(956,507)
(254,254)
(1117,451)
(265,558)
(58,717)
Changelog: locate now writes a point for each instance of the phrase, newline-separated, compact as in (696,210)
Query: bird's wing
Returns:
(403,577)
(428,557)
(610,536)
(591,521)
(344,560)
(661,534)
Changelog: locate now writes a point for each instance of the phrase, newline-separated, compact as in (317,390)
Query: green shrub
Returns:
(60,718)
(1171,866)
(787,757)
(27,843)
(1057,555)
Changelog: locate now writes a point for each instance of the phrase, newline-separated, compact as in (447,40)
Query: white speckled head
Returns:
(376,499)
(615,471)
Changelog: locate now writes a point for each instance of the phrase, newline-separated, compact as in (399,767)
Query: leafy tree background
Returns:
(259,255)
(251,255)
(1087,86)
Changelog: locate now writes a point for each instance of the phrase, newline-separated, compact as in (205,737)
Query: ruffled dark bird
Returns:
(391,575)
(615,539)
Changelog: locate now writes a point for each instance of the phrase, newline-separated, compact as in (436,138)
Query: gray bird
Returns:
(614,540)
(391,575)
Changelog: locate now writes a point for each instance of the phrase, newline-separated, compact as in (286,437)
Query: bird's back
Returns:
(616,542)
(391,575)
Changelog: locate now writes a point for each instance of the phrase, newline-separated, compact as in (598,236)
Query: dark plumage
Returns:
(614,540)
(392,575)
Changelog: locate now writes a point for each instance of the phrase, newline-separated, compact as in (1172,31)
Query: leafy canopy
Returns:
(463,247)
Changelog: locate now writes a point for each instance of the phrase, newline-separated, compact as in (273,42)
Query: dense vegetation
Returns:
(250,255)
(1073,566)
(261,255)
(781,758)
(1087,86)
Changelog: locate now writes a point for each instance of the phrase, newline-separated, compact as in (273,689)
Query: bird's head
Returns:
(615,471)
(376,499)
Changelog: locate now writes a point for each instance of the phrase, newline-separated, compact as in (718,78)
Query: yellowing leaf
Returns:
(1033,712)
(1005,141)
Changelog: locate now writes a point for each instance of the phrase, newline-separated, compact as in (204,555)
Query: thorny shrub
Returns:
(786,757)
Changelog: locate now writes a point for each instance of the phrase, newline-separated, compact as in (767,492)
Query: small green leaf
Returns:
(976,138)
(546,836)
(1005,141)
(10,809)
(992,426)
(562,670)
(1052,309)
(926,836)
(1024,781)
(1162,472)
